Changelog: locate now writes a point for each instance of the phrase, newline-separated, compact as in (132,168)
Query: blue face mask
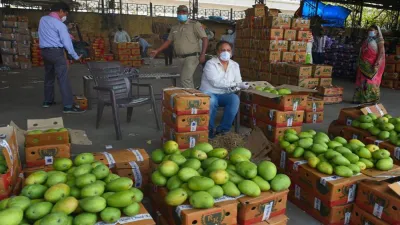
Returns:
(182,18)
(371,34)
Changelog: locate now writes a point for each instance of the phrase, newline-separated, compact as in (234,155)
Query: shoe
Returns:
(72,110)
(48,104)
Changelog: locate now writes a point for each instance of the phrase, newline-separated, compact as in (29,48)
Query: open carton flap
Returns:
(254,84)
(395,187)
(378,175)
(20,134)
(296,88)
(45,124)
(265,94)
(258,143)
(377,109)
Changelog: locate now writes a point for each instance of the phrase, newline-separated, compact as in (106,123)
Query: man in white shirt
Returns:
(221,79)
(121,36)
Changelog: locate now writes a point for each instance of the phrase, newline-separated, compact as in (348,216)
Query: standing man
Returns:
(318,48)
(186,36)
(121,36)
(53,39)
(144,45)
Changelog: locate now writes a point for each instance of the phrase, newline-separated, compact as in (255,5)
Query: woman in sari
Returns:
(371,65)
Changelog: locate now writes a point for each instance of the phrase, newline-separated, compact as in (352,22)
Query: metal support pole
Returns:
(102,6)
(231,14)
(316,7)
(120,7)
(151,9)
(361,12)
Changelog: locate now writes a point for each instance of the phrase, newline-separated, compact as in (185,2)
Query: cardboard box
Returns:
(297,46)
(347,115)
(264,207)
(290,35)
(6,44)
(390,68)
(279,22)
(29,170)
(185,140)
(387,84)
(378,199)
(273,45)
(390,76)
(258,10)
(360,217)
(183,101)
(303,35)
(300,57)
(330,190)
(133,45)
(330,91)
(277,220)
(299,70)
(9,148)
(271,56)
(331,99)
(185,123)
(9,24)
(273,133)
(273,34)
(278,118)
(81,101)
(325,82)
(54,138)
(355,133)
(246,109)
(225,210)
(8,37)
(247,121)
(288,56)
(301,24)
(135,51)
(313,117)
(306,201)
(314,105)
(322,71)
(137,63)
(306,83)
(45,154)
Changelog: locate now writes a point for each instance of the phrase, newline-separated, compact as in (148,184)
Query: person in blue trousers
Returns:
(221,80)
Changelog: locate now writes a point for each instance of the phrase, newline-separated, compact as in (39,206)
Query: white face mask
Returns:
(225,56)
(230,31)
(371,33)
(63,19)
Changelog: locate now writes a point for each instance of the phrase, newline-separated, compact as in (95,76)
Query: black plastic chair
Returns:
(113,84)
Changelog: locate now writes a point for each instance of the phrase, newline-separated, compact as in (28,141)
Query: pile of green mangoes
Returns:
(335,156)
(281,91)
(33,132)
(78,192)
(384,128)
(203,174)
(3,164)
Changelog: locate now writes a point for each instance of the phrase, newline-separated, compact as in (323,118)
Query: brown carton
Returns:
(300,57)
(124,159)
(360,217)
(272,132)
(310,83)
(313,117)
(325,82)
(331,99)
(377,198)
(273,34)
(330,91)
(29,170)
(301,24)
(314,105)
(298,70)
(272,56)
(355,133)
(279,22)
(185,123)
(288,56)
(186,101)
(390,76)
(322,71)
(185,140)
(55,137)
(278,118)
(297,46)
(264,207)
(246,109)
(278,220)
(133,45)
(247,121)
(303,35)
(290,35)
(46,154)
(273,45)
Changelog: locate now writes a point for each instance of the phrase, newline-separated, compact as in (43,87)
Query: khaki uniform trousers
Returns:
(189,66)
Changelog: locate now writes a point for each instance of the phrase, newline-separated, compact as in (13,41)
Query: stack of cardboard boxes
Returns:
(272,113)
(128,53)
(266,37)
(185,116)
(330,94)
(100,50)
(37,59)
(15,42)
(391,78)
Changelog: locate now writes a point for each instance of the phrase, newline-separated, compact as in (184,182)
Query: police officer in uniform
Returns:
(186,36)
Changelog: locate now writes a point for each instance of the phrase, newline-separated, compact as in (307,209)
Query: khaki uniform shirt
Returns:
(186,37)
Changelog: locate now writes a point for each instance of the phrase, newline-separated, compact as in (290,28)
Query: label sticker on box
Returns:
(242,195)
(192,142)
(355,136)
(352,193)
(137,174)
(378,209)
(348,122)
(295,105)
(317,204)
(110,159)
(282,162)
(315,118)
(290,122)
(48,160)
(297,191)
(271,114)
(397,153)
(180,208)
(347,217)
(324,180)
(193,126)
(267,210)
(368,109)
(139,217)
(314,107)
(138,155)
(379,110)
(108,147)
(377,142)
(193,111)
(298,163)
(224,198)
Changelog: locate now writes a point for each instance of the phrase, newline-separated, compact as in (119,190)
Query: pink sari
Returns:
(369,77)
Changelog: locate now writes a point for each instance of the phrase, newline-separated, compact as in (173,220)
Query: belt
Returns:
(188,55)
(53,48)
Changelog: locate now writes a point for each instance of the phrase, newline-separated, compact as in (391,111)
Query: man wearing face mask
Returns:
(53,39)
(221,79)
(186,36)
(121,36)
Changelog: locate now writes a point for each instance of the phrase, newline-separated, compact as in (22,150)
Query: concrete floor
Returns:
(24,95)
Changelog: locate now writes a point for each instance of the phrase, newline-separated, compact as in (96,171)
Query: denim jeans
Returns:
(230,103)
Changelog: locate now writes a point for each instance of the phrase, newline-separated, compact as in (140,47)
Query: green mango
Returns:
(343,171)
(249,188)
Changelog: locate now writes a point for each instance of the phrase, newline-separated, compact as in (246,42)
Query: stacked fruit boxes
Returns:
(272,113)
(330,95)
(128,53)
(314,112)
(391,78)
(267,39)
(185,116)
(99,50)
(37,59)
(15,42)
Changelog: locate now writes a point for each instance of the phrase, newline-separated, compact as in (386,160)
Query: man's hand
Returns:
(202,58)
(153,53)
(243,85)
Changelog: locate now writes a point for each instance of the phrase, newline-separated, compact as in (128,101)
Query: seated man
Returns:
(221,79)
